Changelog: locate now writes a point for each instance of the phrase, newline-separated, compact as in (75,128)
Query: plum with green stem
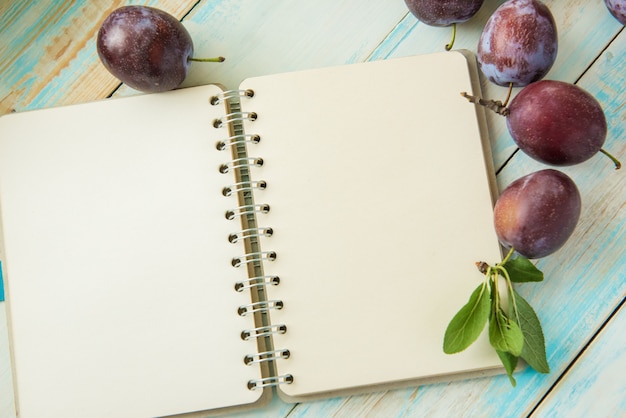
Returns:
(146,48)
(557,123)
(444,12)
(554,122)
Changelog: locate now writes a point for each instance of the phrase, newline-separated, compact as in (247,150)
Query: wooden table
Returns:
(48,58)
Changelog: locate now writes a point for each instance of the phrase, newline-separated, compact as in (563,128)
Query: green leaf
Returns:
(509,361)
(534,349)
(504,334)
(521,270)
(468,323)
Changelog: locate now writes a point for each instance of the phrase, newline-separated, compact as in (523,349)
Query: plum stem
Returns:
(495,105)
(216,59)
(484,267)
(508,95)
(618,165)
(451,44)
(507,257)
(509,286)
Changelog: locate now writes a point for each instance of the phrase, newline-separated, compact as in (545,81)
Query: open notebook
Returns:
(320,248)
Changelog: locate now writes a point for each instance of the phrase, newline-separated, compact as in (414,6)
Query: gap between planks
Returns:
(385,38)
(602,51)
(577,357)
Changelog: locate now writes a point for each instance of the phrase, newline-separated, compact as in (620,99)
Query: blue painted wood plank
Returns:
(595,386)
(48,52)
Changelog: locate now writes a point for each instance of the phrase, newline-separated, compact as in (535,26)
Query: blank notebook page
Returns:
(120,286)
(380,206)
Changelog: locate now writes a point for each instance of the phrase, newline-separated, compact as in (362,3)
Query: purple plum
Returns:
(537,213)
(518,44)
(146,48)
(443,12)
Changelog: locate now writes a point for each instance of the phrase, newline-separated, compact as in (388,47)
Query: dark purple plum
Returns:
(537,213)
(146,48)
(518,44)
(617,9)
(557,123)
(443,12)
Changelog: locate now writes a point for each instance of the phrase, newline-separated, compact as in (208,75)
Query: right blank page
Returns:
(380,204)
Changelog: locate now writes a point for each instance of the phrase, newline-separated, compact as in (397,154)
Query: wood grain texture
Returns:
(48,58)
(595,385)
(48,51)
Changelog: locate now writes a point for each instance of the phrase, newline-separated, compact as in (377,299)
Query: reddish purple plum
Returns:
(146,48)
(537,213)
(557,123)
(443,12)
(617,9)
(518,44)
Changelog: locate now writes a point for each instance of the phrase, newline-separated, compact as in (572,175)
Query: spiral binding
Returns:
(235,140)
(262,306)
(244,186)
(230,95)
(234,117)
(252,257)
(241,163)
(255,384)
(247,210)
(246,233)
(256,282)
(266,356)
(248,334)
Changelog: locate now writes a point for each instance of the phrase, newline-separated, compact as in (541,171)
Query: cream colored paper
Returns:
(120,286)
(119,281)
(380,205)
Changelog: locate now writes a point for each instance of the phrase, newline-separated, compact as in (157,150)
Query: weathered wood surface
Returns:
(48,51)
(48,58)
(592,388)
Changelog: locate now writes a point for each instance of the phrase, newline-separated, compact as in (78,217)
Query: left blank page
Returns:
(119,282)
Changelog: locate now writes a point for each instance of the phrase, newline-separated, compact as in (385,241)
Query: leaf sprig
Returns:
(514,328)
